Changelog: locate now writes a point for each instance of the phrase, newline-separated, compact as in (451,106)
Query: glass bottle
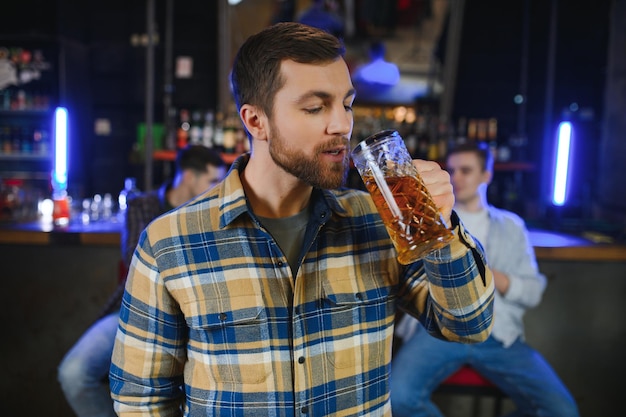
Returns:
(130,190)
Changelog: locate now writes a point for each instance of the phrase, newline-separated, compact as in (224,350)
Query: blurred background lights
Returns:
(562,163)
(60,149)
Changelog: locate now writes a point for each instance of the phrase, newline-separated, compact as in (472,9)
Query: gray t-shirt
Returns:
(289,234)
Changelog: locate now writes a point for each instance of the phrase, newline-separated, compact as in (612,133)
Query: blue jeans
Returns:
(84,371)
(423,362)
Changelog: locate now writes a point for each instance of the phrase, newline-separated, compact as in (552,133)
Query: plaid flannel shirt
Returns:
(214,324)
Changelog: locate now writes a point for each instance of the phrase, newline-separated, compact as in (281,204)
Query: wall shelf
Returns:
(513,166)
(23,156)
(170,155)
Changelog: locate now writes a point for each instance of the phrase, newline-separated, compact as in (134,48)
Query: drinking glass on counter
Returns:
(411,217)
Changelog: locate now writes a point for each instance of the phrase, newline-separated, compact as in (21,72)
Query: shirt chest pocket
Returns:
(357,322)
(228,340)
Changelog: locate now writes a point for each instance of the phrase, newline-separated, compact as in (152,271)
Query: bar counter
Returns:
(42,233)
(55,284)
(556,246)
(549,245)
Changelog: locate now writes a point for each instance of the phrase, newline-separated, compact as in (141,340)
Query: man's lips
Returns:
(336,151)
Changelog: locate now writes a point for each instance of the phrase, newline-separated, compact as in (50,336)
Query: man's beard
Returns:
(309,170)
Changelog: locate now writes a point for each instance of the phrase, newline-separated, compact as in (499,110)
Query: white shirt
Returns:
(476,223)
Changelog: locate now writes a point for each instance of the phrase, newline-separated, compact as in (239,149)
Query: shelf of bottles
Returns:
(219,130)
(28,85)
(25,124)
(428,137)
(25,142)
(25,103)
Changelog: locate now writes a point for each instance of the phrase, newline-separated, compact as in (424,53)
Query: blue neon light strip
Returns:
(60,149)
(562,163)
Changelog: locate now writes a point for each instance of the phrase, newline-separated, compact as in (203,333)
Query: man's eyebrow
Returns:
(324,95)
(313,94)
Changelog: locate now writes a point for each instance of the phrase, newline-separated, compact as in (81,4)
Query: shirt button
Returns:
(323,214)
(223,316)
(304,410)
(280,264)
(301,359)
(358,296)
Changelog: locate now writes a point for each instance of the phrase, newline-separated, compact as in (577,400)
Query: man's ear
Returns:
(186,176)
(255,121)
(487,176)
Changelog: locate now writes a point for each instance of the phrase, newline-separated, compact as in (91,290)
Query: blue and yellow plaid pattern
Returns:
(214,324)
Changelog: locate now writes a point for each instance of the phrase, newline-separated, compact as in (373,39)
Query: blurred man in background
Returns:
(423,362)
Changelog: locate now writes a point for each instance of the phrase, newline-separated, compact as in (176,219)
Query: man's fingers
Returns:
(437,182)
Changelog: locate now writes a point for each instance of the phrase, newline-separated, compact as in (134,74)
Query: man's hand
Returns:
(438,184)
(501,281)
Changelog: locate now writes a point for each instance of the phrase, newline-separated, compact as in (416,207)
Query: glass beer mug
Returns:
(412,220)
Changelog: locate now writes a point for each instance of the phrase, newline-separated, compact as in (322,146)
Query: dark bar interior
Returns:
(506,73)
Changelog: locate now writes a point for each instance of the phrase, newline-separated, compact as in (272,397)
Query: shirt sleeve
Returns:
(526,283)
(453,299)
(146,373)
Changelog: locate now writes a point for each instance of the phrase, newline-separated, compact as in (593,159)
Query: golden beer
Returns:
(419,230)
(401,198)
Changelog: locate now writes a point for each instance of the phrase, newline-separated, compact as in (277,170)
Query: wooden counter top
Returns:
(555,246)
(549,245)
(41,233)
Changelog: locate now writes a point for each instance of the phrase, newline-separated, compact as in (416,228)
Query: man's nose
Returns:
(341,122)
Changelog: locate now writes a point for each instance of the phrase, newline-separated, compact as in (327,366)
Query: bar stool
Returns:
(467,381)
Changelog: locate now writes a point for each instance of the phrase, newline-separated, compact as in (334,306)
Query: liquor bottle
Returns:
(18,139)
(218,135)
(481,130)
(130,190)
(195,131)
(230,135)
(492,137)
(182,134)
(61,208)
(242,142)
(27,141)
(472,127)
(461,131)
(208,130)
(107,207)
(442,139)
(171,131)
(41,141)
(5,140)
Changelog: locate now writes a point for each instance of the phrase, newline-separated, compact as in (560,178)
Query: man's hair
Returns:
(481,150)
(196,158)
(256,78)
